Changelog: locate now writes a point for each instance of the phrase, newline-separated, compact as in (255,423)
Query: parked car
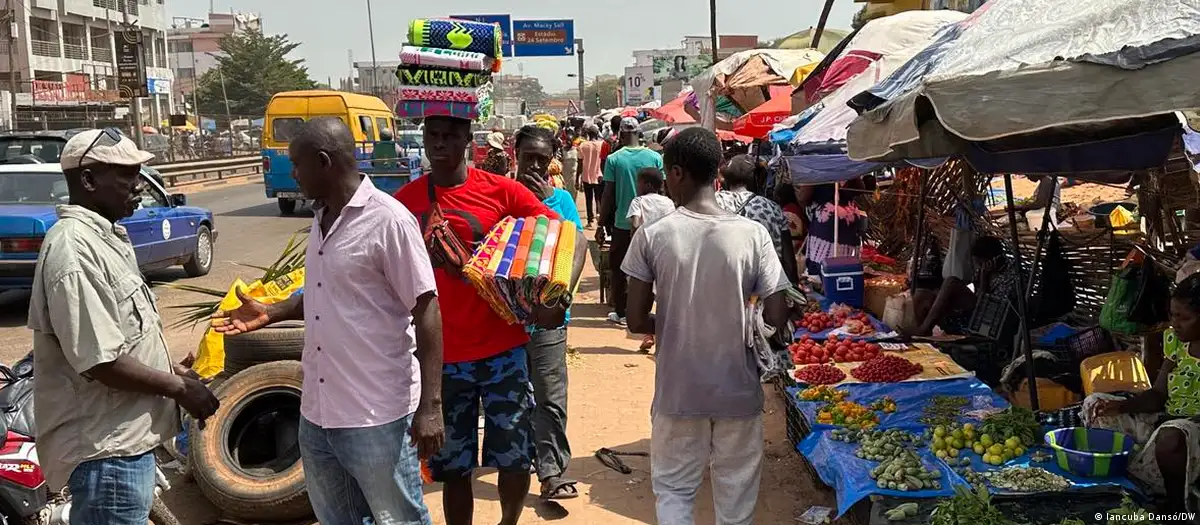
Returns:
(164,230)
(45,145)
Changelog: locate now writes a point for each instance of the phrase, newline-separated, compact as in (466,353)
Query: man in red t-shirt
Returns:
(485,357)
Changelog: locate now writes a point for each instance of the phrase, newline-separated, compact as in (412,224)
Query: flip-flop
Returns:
(559,489)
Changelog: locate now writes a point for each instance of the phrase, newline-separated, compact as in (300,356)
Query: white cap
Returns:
(101,148)
(629,125)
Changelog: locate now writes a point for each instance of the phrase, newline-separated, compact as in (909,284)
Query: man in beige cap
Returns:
(106,393)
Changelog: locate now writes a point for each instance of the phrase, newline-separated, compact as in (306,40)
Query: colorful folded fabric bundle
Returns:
(414,55)
(439,94)
(429,108)
(462,35)
(432,76)
(517,267)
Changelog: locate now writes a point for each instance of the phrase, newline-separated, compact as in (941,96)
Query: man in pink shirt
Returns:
(591,170)
(372,341)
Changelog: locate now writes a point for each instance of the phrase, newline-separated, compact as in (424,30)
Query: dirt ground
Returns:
(611,386)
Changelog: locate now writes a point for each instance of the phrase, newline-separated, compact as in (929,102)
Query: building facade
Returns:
(62,67)
(193,46)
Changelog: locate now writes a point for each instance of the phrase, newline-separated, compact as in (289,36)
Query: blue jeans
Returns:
(113,491)
(358,476)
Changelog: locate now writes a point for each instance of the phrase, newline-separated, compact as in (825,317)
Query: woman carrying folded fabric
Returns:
(1165,420)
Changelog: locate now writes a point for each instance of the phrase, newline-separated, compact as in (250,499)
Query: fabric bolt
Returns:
(547,260)
(681,449)
(462,35)
(501,384)
(447,58)
(113,491)
(481,269)
(564,258)
(432,76)
(536,246)
(510,248)
(471,330)
(439,94)
(90,305)
(429,108)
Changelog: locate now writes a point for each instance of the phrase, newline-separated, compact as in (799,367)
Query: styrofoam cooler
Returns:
(842,278)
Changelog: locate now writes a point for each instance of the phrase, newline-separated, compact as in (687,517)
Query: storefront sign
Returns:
(64,94)
(131,64)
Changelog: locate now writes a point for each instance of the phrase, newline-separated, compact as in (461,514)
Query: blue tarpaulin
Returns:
(837,466)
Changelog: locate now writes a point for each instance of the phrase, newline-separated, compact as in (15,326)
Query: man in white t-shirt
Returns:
(706,263)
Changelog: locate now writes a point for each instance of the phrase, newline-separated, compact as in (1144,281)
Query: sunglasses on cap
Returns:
(112,134)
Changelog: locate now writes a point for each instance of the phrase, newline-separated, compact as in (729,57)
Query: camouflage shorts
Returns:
(502,382)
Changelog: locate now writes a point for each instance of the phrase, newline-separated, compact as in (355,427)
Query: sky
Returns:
(330,31)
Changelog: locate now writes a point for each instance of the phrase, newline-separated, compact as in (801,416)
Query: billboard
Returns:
(677,66)
(131,64)
(639,83)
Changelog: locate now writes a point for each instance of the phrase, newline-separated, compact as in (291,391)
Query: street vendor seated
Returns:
(1165,420)
(951,305)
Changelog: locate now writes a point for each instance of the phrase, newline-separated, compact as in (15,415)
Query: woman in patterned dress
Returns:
(1165,420)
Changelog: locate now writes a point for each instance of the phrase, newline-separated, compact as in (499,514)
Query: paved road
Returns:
(250,231)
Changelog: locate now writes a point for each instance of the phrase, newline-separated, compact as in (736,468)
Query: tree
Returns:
(605,92)
(254,67)
(861,18)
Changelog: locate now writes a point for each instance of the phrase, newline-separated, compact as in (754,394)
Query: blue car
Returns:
(164,230)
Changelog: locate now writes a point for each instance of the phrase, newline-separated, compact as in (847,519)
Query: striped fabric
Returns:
(524,263)
(431,76)
(439,94)
(430,108)
(446,58)
(461,35)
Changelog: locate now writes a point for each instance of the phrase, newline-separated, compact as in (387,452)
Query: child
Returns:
(648,207)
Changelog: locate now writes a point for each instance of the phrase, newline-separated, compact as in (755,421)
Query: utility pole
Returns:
(228,114)
(579,54)
(195,87)
(12,63)
(712,28)
(821,24)
(374,63)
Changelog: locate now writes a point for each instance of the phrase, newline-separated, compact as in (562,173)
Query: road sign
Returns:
(505,22)
(543,38)
(131,64)
(638,81)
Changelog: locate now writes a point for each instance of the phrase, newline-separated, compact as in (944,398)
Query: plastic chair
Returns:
(1113,372)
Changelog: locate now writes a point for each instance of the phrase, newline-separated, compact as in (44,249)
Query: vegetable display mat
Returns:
(910,397)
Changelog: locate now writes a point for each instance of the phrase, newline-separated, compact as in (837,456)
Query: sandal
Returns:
(608,458)
(559,489)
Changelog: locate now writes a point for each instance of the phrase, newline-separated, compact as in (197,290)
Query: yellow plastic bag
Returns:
(1120,217)
(210,356)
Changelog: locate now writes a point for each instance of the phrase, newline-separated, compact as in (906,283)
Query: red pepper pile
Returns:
(807,351)
(820,375)
(886,369)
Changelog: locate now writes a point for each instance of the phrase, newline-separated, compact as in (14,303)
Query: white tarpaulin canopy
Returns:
(1024,66)
(781,62)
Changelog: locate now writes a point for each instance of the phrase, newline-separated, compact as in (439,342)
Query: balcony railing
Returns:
(76,51)
(102,54)
(46,49)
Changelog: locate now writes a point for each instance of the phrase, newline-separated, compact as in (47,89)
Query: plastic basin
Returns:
(1091,452)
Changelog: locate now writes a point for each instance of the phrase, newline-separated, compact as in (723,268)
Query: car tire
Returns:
(247,460)
(202,259)
(287,206)
(278,342)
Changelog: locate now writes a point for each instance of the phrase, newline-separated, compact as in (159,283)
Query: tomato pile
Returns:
(810,352)
(816,322)
(886,369)
(856,321)
(820,375)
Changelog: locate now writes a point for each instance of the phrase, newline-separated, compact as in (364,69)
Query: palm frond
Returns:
(289,260)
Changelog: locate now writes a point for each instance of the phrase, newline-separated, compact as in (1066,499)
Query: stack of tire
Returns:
(247,459)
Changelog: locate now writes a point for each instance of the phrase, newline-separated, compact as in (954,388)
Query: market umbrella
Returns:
(1050,87)
(759,121)
(727,136)
(674,112)
(803,40)
(149,130)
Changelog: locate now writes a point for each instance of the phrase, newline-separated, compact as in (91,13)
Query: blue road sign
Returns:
(543,38)
(505,22)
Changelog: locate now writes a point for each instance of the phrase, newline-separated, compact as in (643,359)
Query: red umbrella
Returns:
(759,121)
(726,135)
(674,112)
(629,112)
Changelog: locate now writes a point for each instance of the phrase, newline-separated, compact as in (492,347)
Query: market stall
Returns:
(741,82)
